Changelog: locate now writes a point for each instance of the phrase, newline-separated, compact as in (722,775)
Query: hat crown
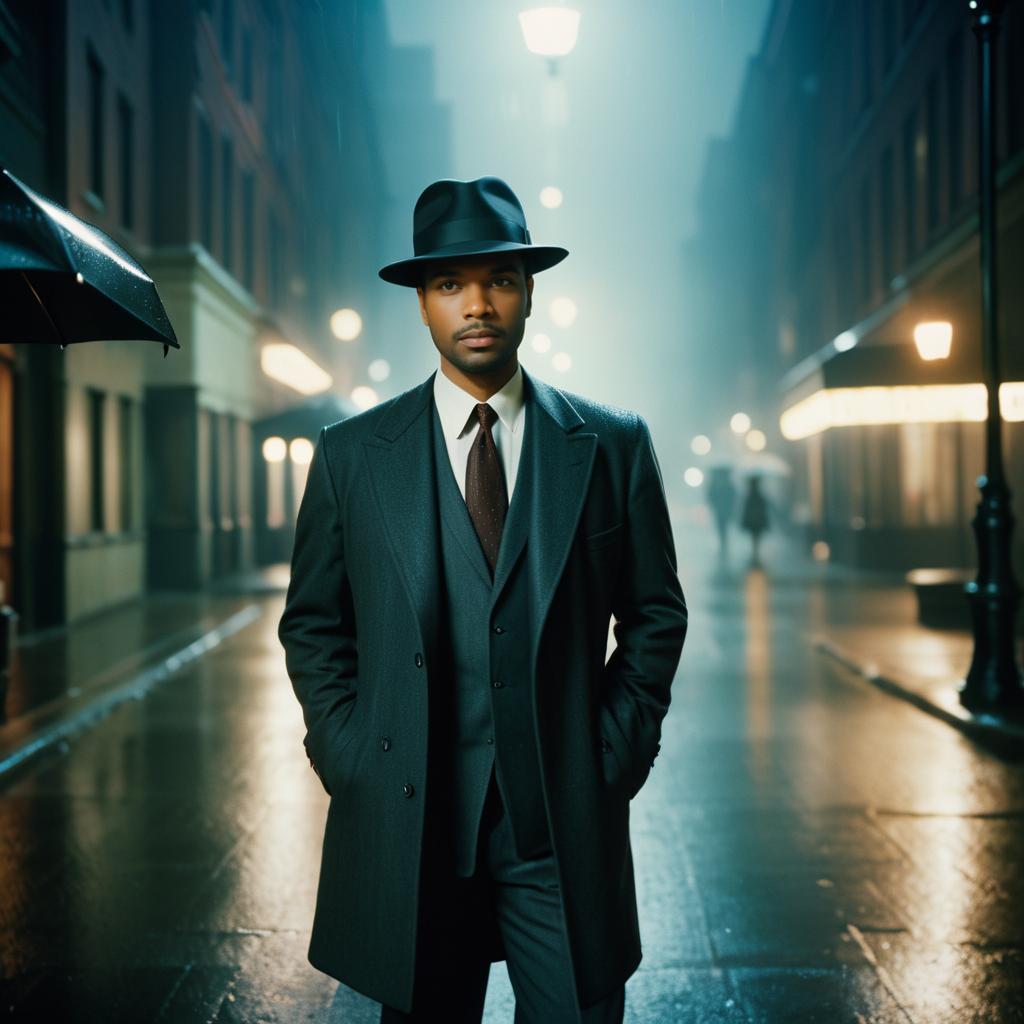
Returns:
(451,212)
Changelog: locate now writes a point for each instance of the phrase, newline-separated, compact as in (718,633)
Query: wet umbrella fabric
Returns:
(63,280)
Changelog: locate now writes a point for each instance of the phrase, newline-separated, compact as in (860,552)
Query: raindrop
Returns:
(79,278)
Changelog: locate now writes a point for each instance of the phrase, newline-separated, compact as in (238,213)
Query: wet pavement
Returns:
(807,848)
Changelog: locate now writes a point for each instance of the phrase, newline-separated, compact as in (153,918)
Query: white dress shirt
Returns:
(456,410)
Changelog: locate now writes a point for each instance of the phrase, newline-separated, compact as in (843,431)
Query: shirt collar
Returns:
(455,406)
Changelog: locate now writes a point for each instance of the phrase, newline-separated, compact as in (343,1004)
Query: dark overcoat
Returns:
(361,634)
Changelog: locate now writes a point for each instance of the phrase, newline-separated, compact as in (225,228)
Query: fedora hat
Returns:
(467,218)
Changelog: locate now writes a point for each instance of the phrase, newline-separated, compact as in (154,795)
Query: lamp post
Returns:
(993,681)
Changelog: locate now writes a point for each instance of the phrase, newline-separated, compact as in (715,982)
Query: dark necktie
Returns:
(486,496)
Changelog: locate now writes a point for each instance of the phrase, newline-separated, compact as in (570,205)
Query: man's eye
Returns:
(499,280)
(443,283)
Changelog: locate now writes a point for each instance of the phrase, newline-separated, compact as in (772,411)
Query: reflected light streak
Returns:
(757,653)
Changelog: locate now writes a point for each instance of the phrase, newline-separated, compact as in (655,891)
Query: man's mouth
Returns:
(478,339)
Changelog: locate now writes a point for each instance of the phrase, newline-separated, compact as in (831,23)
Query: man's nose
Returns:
(477,301)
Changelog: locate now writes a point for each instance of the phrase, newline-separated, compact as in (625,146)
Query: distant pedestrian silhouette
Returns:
(722,495)
(754,518)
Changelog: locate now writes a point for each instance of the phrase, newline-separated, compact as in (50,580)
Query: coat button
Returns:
(497,684)
(605,745)
(385,743)
(490,739)
(499,629)
(419,660)
(407,789)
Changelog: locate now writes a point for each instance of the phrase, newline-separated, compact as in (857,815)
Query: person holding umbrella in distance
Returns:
(459,552)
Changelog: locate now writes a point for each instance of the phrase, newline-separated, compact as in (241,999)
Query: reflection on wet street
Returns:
(807,847)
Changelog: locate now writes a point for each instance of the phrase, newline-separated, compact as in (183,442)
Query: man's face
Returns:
(469,296)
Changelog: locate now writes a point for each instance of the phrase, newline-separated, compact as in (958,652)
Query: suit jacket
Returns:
(360,631)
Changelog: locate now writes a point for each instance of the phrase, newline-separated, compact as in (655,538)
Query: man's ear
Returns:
(529,294)
(423,304)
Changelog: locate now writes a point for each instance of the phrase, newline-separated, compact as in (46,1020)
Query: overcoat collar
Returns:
(400,464)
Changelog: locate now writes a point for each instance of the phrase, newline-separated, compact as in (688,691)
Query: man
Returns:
(459,552)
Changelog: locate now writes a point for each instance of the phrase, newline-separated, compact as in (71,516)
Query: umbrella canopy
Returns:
(63,280)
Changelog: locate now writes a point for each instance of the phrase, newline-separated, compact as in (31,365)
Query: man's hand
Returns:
(650,627)
(317,628)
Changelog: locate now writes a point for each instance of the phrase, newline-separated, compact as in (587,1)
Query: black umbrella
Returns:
(63,280)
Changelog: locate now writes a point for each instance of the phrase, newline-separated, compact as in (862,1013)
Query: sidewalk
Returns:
(866,621)
(64,679)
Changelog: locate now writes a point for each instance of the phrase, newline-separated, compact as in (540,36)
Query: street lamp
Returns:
(933,340)
(346,324)
(550,32)
(993,681)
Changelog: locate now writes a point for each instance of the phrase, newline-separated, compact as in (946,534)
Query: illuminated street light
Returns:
(346,324)
(289,365)
(740,423)
(700,445)
(756,440)
(301,451)
(275,449)
(563,311)
(693,476)
(550,31)
(379,369)
(551,197)
(541,343)
(934,339)
(364,396)
(561,361)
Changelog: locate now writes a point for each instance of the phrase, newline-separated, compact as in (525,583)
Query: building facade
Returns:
(847,198)
(232,147)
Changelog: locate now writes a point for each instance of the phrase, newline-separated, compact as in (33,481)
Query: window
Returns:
(125,133)
(227,34)
(205,171)
(866,50)
(910,187)
(96,460)
(95,71)
(274,269)
(227,204)
(932,116)
(248,214)
(888,236)
(247,65)
(890,37)
(911,11)
(866,260)
(955,118)
(126,407)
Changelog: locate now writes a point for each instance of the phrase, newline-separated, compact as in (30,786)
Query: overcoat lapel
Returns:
(400,461)
(555,468)
(562,462)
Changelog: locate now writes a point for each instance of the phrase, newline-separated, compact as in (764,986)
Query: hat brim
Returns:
(410,272)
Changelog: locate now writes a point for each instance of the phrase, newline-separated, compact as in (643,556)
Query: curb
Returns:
(1002,737)
(135,688)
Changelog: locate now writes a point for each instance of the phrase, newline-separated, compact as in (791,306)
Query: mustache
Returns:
(490,328)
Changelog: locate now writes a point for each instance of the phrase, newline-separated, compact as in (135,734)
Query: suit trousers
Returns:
(520,897)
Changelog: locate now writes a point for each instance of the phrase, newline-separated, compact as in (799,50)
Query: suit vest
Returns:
(481,717)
